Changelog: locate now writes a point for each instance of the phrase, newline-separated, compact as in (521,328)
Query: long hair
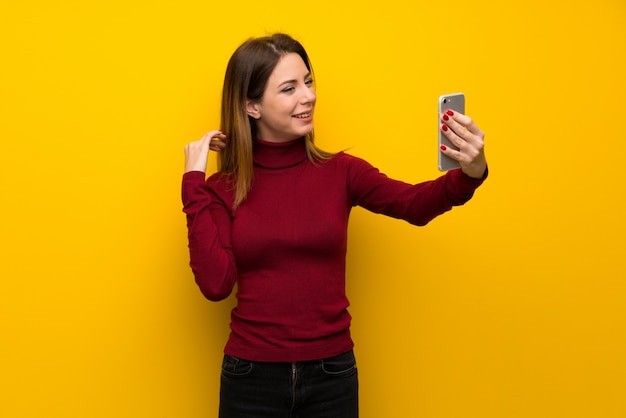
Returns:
(246,77)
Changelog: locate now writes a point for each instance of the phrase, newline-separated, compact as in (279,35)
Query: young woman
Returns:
(273,220)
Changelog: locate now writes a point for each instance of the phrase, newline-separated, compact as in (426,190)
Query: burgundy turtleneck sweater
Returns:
(285,246)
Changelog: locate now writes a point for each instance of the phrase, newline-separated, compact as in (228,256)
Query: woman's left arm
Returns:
(464,134)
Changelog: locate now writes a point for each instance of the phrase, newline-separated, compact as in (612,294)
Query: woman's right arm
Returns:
(208,222)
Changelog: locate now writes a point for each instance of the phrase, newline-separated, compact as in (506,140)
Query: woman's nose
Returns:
(309,95)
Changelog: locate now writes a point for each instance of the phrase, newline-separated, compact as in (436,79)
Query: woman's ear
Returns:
(253,109)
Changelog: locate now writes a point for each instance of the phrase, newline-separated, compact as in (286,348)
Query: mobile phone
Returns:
(455,102)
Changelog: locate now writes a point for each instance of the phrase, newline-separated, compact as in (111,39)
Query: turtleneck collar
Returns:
(279,154)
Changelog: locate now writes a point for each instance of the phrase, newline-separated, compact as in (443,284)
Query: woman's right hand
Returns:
(197,152)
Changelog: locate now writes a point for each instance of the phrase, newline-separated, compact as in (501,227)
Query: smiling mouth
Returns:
(303,115)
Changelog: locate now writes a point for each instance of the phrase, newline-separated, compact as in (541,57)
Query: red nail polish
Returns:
(445,117)
(443,148)
(449,112)
(444,127)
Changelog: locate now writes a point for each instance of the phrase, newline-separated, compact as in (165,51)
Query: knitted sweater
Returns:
(285,245)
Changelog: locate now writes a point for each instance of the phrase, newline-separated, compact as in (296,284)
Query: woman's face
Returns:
(285,112)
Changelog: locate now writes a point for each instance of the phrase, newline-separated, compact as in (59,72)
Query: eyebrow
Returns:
(308,75)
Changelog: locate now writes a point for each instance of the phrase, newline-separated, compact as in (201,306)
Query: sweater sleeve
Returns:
(208,224)
(417,204)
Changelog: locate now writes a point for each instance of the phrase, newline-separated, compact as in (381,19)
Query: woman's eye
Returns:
(290,89)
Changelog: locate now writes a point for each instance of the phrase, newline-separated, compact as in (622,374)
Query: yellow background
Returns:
(511,306)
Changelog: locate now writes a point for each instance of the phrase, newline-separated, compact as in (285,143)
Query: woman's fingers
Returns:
(196,152)
(465,135)
(217,143)
(463,127)
(465,121)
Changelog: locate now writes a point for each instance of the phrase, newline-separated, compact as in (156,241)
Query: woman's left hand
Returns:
(465,135)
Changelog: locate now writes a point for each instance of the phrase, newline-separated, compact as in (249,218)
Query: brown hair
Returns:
(247,73)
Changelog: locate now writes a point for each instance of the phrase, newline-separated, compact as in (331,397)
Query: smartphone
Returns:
(456,102)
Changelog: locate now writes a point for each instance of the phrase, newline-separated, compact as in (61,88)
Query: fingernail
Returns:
(444,127)
(449,112)
(445,117)
(443,147)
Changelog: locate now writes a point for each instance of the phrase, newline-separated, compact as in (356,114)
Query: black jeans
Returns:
(325,388)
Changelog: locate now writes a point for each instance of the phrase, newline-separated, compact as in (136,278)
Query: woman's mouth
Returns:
(303,115)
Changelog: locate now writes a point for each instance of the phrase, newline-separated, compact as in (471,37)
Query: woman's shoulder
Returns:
(343,157)
(350,161)
(222,184)
(220,178)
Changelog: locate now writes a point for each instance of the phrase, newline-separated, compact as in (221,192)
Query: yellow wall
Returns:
(512,306)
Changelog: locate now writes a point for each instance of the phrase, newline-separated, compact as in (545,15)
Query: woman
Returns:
(274,221)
